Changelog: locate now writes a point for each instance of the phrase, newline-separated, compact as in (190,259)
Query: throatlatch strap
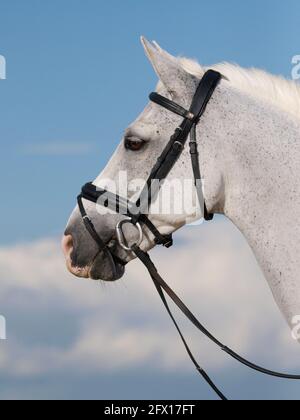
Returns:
(160,284)
(197,174)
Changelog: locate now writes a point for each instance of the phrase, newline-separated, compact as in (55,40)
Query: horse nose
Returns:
(67,245)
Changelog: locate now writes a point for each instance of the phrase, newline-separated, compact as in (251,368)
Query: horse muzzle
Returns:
(103,266)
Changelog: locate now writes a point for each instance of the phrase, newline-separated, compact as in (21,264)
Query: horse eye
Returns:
(134,144)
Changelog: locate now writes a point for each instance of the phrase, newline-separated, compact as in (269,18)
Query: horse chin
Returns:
(105,269)
(101,269)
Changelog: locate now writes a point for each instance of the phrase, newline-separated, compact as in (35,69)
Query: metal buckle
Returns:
(190,116)
(178,146)
(121,236)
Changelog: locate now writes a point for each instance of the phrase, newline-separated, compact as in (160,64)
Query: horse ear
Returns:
(168,68)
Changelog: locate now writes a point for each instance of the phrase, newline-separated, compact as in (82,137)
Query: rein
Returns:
(160,171)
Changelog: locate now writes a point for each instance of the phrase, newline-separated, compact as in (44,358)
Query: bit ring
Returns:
(121,236)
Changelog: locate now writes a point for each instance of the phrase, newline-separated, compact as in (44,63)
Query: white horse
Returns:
(249,143)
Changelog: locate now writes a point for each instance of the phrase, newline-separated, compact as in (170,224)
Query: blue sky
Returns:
(69,65)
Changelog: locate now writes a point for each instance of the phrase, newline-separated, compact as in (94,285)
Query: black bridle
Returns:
(160,172)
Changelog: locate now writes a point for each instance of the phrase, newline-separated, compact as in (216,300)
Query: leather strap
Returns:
(162,287)
(121,206)
(175,147)
(92,231)
(162,168)
(158,282)
(197,174)
(171,106)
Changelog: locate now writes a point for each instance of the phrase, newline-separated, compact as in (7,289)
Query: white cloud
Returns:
(124,326)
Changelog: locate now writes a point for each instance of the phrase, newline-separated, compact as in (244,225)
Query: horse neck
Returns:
(251,171)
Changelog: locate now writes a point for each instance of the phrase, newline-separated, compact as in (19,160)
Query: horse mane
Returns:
(277,90)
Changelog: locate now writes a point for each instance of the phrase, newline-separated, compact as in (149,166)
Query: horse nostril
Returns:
(67,245)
